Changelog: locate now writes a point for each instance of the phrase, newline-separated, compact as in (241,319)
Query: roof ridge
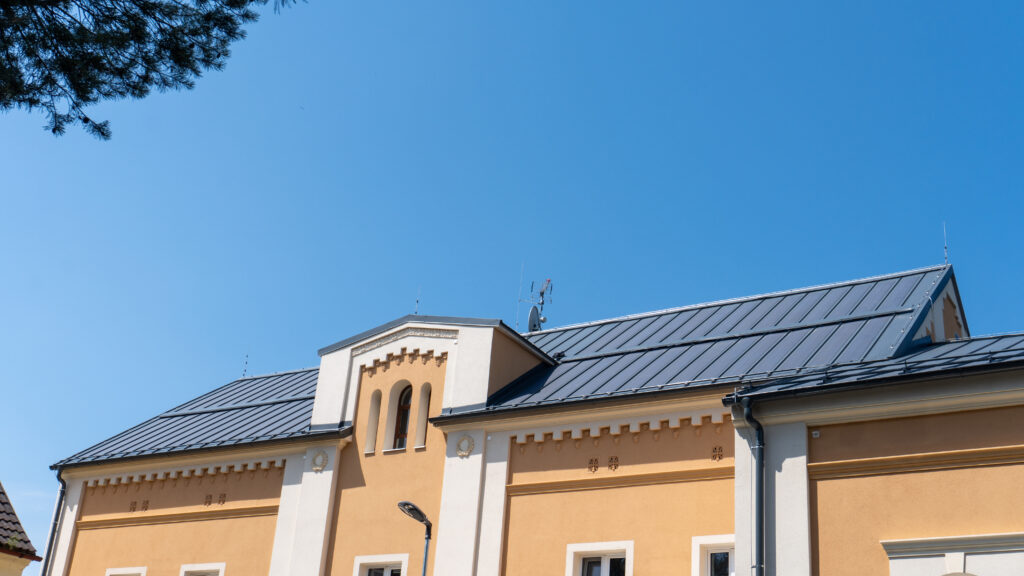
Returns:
(272,374)
(741,299)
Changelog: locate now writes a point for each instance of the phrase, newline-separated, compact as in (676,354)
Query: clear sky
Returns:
(643,155)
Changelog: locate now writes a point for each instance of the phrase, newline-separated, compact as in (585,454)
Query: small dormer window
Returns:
(402,418)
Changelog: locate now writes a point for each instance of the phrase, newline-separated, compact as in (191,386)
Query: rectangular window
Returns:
(600,559)
(381,565)
(137,571)
(213,569)
(720,563)
(604,566)
(714,555)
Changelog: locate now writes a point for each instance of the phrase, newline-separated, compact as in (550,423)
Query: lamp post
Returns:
(413,511)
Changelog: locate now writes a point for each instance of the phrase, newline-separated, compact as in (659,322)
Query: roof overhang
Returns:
(438,320)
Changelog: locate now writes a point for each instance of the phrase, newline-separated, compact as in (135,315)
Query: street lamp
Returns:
(413,511)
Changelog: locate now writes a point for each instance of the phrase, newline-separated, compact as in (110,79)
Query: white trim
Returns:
(461,496)
(701,546)
(492,507)
(1007,542)
(136,571)
(187,569)
(287,516)
(787,500)
(66,529)
(574,554)
(362,564)
(743,474)
(624,425)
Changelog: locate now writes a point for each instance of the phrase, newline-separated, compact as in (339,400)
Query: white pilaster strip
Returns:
(309,547)
(787,547)
(460,507)
(62,544)
(287,515)
(492,509)
(744,496)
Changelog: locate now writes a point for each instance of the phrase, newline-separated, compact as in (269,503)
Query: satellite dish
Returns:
(533,324)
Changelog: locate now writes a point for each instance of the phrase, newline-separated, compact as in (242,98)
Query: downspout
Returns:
(57,512)
(758,450)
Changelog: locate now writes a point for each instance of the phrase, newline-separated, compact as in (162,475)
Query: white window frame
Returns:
(363,564)
(703,546)
(218,567)
(952,549)
(136,571)
(575,553)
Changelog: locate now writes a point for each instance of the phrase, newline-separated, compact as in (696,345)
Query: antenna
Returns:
(419,290)
(945,244)
(519,298)
(245,365)
(535,319)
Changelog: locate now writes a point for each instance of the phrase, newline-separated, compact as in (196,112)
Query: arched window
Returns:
(422,415)
(402,418)
(372,420)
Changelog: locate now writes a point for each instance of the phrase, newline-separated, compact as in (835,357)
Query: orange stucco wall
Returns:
(509,360)
(367,520)
(930,476)
(668,486)
(166,523)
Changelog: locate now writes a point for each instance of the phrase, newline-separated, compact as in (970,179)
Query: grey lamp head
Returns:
(413,511)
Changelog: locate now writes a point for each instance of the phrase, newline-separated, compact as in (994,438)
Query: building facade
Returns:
(853,428)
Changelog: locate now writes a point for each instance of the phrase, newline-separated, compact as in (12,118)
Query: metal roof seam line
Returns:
(744,298)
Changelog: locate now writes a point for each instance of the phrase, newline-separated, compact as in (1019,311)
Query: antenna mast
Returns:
(536,319)
(945,244)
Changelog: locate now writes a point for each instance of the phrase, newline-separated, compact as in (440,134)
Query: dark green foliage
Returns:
(63,55)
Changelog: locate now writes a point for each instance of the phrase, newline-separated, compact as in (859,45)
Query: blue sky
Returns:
(643,156)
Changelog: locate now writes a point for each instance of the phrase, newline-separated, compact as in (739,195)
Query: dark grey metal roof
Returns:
(13,539)
(742,340)
(982,353)
(249,410)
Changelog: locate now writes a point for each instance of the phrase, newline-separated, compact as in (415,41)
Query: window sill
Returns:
(393,451)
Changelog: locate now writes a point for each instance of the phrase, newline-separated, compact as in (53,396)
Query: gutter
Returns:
(758,449)
(57,513)
(343,432)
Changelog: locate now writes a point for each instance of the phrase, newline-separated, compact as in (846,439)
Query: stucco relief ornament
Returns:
(319,461)
(464,447)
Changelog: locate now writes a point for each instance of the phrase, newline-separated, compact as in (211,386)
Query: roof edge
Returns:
(455,320)
(444,320)
(735,397)
(741,299)
(342,432)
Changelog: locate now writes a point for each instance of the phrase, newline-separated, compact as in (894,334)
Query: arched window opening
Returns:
(372,420)
(422,416)
(402,418)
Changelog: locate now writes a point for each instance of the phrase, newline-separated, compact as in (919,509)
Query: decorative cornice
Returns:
(178,517)
(917,462)
(186,472)
(617,426)
(973,543)
(403,333)
(404,356)
(716,473)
